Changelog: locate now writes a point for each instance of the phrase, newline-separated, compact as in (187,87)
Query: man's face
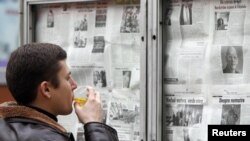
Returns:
(62,96)
(232,58)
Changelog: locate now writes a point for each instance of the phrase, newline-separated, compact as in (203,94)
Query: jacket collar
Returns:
(13,110)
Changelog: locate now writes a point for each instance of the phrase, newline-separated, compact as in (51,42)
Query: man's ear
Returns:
(45,89)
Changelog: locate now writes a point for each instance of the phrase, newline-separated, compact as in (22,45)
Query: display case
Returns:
(106,45)
(171,67)
(204,66)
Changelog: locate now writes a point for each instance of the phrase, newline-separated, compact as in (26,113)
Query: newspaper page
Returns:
(89,34)
(9,33)
(50,22)
(205,53)
(184,118)
(187,39)
(123,114)
(229,110)
(125,46)
(226,30)
(228,42)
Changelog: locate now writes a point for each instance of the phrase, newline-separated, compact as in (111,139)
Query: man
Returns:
(41,83)
(186,12)
(232,61)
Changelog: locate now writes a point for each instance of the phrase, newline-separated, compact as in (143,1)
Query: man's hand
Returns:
(91,111)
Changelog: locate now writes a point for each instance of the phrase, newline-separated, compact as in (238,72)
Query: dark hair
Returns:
(31,64)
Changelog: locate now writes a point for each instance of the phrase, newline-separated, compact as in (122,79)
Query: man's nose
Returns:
(74,84)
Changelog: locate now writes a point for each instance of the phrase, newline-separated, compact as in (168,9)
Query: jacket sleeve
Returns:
(95,131)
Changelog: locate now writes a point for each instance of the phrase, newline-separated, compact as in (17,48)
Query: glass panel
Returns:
(205,69)
(102,40)
(185,42)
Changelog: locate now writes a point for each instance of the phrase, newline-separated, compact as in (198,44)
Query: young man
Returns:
(41,83)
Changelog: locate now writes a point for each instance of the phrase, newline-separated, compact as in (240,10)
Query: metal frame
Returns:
(27,20)
(146,100)
(143,73)
(160,100)
(154,70)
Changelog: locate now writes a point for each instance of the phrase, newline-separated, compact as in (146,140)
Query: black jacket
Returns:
(26,124)
(7,133)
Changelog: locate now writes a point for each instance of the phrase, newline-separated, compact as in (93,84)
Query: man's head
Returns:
(231,58)
(35,74)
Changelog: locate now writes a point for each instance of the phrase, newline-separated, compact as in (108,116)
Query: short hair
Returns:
(31,64)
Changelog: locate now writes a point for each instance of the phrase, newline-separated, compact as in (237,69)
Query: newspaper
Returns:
(201,41)
(205,53)
(196,46)
(184,118)
(123,114)
(102,40)
(229,110)
(120,110)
